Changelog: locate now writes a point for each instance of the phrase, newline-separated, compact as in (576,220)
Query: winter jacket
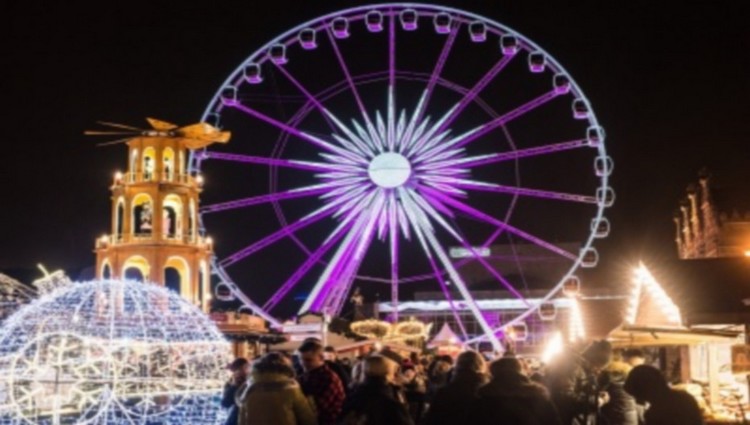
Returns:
(227,402)
(512,399)
(274,399)
(375,402)
(621,407)
(452,403)
(674,408)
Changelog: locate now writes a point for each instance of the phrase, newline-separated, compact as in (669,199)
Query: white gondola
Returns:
(595,136)
(277,53)
(605,197)
(603,166)
(223,292)
(547,311)
(519,332)
(340,27)
(307,39)
(561,83)
(600,228)
(509,45)
(572,286)
(214,119)
(252,74)
(590,258)
(580,109)
(374,21)
(409,19)
(442,23)
(478,31)
(229,95)
(537,62)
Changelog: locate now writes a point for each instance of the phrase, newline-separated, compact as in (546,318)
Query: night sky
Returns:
(670,82)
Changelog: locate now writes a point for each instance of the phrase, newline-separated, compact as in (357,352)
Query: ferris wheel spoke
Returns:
(264,199)
(352,86)
(393,239)
(331,119)
(306,92)
(479,131)
(296,132)
(317,296)
(392,50)
(285,231)
(473,212)
(462,289)
(313,259)
(534,193)
(475,161)
(425,205)
(474,91)
(438,68)
(289,163)
(446,292)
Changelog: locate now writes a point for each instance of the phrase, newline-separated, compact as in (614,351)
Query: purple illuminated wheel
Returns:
(401,144)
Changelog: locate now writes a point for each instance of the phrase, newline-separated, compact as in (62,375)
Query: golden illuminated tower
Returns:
(154,235)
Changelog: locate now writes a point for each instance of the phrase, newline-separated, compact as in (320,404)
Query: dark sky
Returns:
(669,80)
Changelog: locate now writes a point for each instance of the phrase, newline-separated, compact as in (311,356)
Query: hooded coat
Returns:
(512,399)
(453,403)
(274,399)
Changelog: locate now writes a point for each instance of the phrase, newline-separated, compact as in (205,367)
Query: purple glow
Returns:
(474,92)
(300,165)
(304,268)
(384,171)
(273,197)
(505,226)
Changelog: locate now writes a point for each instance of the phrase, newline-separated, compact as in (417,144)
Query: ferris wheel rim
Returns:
(530,46)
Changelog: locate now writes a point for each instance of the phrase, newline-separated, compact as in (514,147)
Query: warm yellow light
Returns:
(747,253)
(199,180)
(554,347)
(118,176)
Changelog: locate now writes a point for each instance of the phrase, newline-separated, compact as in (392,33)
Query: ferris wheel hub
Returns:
(389,170)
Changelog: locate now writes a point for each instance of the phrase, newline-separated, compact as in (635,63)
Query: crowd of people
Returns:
(315,387)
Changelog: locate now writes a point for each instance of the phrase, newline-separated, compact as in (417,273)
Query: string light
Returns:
(577,331)
(554,347)
(111,352)
(643,280)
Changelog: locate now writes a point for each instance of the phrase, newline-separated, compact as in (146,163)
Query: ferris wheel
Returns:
(382,140)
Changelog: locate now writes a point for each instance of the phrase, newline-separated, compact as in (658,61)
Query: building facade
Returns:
(712,222)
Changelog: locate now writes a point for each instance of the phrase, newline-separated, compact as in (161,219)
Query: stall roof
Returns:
(635,336)
(707,291)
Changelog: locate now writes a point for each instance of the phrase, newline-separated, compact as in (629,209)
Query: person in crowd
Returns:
(619,407)
(321,383)
(666,406)
(634,357)
(415,390)
(376,401)
(438,374)
(451,404)
(510,398)
(273,396)
(240,369)
(332,360)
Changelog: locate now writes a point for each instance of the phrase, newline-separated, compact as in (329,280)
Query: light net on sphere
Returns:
(111,352)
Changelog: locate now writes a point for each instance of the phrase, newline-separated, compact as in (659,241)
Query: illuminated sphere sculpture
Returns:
(111,352)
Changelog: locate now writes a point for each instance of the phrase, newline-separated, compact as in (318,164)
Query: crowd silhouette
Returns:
(315,387)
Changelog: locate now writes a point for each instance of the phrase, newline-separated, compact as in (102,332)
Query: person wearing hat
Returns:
(240,369)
